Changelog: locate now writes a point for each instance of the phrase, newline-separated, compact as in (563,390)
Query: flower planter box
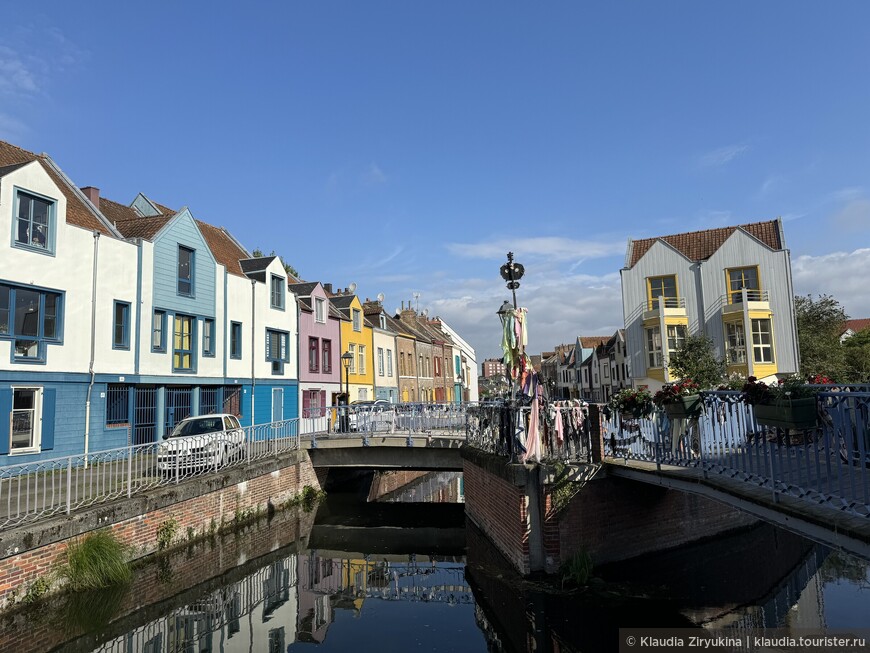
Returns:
(683,407)
(632,414)
(790,414)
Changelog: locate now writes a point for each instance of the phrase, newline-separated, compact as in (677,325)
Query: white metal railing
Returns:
(745,295)
(657,303)
(43,488)
(828,464)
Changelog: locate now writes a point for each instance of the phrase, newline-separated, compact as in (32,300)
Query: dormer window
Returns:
(319,310)
(383,321)
(34,224)
(357,324)
(185,271)
(277,295)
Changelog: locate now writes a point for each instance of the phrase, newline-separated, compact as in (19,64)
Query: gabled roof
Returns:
(701,245)
(258,264)
(303,289)
(399,327)
(79,211)
(591,342)
(856,325)
(5,170)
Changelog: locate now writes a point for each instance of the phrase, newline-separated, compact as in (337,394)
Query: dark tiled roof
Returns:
(5,170)
(303,289)
(701,245)
(258,264)
(305,305)
(334,312)
(398,327)
(78,211)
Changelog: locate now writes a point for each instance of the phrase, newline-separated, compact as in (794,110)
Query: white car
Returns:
(206,441)
(374,415)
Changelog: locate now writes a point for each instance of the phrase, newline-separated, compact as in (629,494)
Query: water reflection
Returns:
(454,592)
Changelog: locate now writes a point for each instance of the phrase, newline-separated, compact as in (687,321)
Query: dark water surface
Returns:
(406,576)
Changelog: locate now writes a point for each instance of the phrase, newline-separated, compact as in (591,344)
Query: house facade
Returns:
(357,339)
(732,285)
(386,377)
(319,349)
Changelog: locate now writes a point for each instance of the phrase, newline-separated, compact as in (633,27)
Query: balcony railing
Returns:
(745,295)
(657,303)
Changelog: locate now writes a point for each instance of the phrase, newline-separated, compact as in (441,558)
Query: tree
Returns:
(696,359)
(819,324)
(856,352)
(258,253)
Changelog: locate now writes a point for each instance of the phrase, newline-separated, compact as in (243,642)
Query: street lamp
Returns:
(346,360)
(512,273)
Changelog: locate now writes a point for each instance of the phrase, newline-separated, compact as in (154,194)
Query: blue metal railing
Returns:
(828,464)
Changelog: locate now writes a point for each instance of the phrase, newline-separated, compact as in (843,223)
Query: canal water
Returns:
(406,574)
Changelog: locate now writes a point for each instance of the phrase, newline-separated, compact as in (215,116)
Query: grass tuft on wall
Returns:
(95,561)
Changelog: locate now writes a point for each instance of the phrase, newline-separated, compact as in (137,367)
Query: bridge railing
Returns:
(562,429)
(828,464)
(41,489)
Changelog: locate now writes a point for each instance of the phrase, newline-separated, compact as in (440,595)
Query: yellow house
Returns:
(357,339)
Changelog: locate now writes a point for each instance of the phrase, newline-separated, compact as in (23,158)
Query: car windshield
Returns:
(197,427)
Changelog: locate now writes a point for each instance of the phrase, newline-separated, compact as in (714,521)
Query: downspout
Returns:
(93,346)
(138,317)
(253,344)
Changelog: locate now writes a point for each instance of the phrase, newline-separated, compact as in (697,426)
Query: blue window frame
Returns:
(121,326)
(31,318)
(184,344)
(235,339)
(186,261)
(158,332)
(276,350)
(208,337)
(34,224)
(278,286)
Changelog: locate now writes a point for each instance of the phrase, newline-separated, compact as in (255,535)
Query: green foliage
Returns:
(819,324)
(577,570)
(856,352)
(696,359)
(166,533)
(37,589)
(289,269)
(98,560)
(631,401)
(562,489)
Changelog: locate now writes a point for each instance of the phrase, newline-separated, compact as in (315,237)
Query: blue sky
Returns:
(407,146)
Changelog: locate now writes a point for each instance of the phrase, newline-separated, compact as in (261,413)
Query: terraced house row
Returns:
(119,320)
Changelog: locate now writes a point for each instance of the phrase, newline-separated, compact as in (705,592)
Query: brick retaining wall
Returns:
(201,504)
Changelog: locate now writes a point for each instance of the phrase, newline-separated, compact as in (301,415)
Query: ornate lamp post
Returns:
(346,360)
(512,272)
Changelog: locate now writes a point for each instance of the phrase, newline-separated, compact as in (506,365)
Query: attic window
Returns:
(34,224)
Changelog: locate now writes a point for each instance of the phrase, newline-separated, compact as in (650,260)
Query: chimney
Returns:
(328,287)
(93,194)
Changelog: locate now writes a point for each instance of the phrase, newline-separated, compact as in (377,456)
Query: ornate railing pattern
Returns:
(828,464)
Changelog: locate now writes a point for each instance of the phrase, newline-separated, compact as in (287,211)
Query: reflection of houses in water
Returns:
(434,487)
(256,613)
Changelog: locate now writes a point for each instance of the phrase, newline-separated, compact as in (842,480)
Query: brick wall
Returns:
(194,504)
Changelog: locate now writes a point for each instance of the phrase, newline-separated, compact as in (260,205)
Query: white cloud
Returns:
(373,175)
(722,155)
(552,248)
(842,275)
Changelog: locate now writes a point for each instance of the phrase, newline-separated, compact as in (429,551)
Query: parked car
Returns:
(376,415)
(204,441)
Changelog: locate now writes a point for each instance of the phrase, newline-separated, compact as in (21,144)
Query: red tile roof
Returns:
(78,212)
(700,245)
(591,342)
(857,325)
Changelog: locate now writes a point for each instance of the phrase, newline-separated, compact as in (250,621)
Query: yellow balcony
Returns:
(753,300)
(667,306)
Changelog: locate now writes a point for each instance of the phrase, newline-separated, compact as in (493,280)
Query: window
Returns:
(676,337)
(277,295)
(34,224)
(380,361)
(662,292)
(117,405)
(740,278)
(24,436)
(351,348)
(235,340)
(207,337)
(420,364)
(383,320)
(362,359)
(326,352)
(389,362)
(762,341)
(654,347)
(158,331)
(357,324)
(735,344)
(276,350)
(319,310)
(437,366)
(313,355)
(401,363)
(30,318)
(185,271)
(121,326)
(182,344)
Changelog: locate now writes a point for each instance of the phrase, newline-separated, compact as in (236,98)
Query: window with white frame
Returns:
(277,294)
(25,422)
(357,321)
(351,348)
(380,361)
(34,225)
(383,320)
(30,318)
(389,362)
(762,341)
(362,359)
(653,347)
(676,337)
(319,310)
(735,343)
